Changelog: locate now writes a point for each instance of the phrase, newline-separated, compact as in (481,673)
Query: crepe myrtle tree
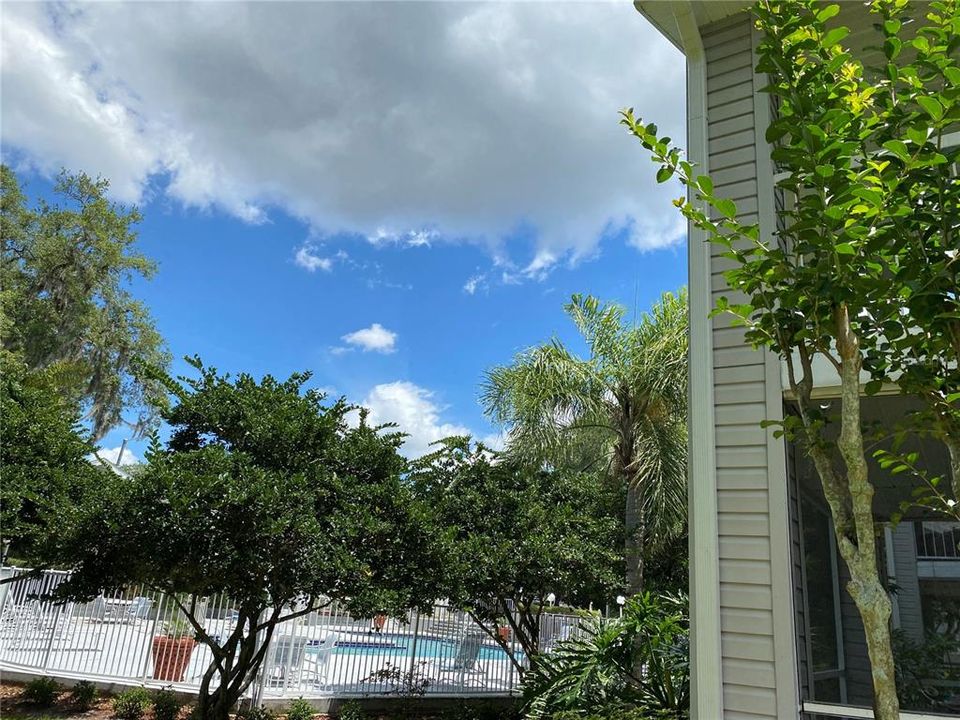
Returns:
(516,533)
(862,271)
(266,495)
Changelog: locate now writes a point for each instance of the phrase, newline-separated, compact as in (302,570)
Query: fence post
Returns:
(413,649)
(53,635)
(259,687)
(148,650)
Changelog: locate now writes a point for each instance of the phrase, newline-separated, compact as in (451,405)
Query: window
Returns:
(920,562)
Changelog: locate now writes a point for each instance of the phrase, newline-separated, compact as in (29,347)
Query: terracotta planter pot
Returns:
(504,632)
(171,655)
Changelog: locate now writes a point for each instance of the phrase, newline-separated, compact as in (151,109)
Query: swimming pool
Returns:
(396,645)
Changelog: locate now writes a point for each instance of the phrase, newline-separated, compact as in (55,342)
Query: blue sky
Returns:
(450,221)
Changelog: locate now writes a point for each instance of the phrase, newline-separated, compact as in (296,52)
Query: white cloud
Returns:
(308,259)
(112,455)
(375,338)
(415,411)
(495,441)
(474,283)
(376,119)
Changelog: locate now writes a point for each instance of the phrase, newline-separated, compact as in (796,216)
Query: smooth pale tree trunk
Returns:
(850,497)
(953,447)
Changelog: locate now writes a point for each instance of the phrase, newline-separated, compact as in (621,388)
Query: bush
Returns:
(166,704)
(592,676)
(42,691)
(300,709)
(131,704)
(83,695)
(352,711)
(256,713)
(481,711)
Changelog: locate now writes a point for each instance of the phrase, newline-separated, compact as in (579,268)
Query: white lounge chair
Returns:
(465,659)
(139,609)
(289,664)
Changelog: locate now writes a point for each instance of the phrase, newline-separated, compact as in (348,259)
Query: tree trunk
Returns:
(633,544)
(874,606)
(953,447)
(860,550)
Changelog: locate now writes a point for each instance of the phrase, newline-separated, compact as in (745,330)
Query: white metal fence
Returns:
(128,636)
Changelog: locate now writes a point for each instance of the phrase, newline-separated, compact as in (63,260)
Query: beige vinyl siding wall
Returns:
(908,582)
(742,401)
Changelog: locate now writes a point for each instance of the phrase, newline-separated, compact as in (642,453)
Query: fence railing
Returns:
(131,636)
(938,540)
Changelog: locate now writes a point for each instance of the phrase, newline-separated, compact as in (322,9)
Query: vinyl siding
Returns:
(740,396)
(908,595)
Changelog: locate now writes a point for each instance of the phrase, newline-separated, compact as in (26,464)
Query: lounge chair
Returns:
(465,659)
(139,609)
(289,664)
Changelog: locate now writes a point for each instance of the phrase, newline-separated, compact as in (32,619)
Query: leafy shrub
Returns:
(131,704)
(300,709)
(352,711)
(256,713)
(83,695)
(593,676)
(480,711)
(42,691)
(924,677)
(166,704)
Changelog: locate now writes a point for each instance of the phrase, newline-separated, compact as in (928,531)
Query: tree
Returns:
(43,456)
(267,496)
(515,534)
(66,306)
(862,271)
(622,407)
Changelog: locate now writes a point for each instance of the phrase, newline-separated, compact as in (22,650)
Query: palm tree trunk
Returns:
(633,544)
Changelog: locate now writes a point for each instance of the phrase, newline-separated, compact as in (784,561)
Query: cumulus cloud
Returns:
(375,338)
(374,119)
(414,410)
(112,456)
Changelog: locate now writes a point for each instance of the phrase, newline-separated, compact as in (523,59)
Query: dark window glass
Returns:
(920,562)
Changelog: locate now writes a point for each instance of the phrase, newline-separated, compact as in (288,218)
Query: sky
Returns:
(395,196)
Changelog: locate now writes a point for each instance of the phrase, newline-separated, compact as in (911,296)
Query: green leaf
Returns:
(726,207)
(891,27)
(832,37)
(664,174)
(828,12)
(917,135)
(705,183)
(825,170)
(898,148)
(932,106)
(845,249)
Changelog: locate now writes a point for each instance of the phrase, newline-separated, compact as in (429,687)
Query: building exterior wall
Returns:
(909,611)
(758,656)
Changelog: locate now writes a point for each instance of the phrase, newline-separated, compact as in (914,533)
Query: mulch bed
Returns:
(14,707)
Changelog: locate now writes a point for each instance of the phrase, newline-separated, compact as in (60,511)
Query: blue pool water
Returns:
(390,645)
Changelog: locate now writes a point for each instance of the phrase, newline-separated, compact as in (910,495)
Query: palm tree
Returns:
(624,405)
